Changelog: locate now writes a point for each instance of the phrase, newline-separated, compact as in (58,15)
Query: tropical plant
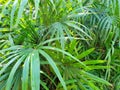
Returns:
(59,44)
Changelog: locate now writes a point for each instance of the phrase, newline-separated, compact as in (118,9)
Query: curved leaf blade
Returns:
(53,65)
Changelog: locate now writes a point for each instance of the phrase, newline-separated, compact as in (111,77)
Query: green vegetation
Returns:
(59,44)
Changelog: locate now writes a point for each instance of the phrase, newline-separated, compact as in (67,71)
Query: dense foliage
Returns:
(59,44)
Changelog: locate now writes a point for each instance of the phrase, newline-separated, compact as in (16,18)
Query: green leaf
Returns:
(25,74)
(85,53)
(44,85)
(88,62)
(66,53)
(17,81)
(11,48)
(45,74)
(36,7)
(98,67)
(23,3)
(93,77)
(2,85)
(81,85)
(3,76)
(53,65)
(11,40)
(8,64)
(12,73)
(12,55)
(77,28)
(4,9)
(14,7)
(35,70)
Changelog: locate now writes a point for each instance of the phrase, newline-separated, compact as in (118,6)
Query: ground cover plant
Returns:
(59,45)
